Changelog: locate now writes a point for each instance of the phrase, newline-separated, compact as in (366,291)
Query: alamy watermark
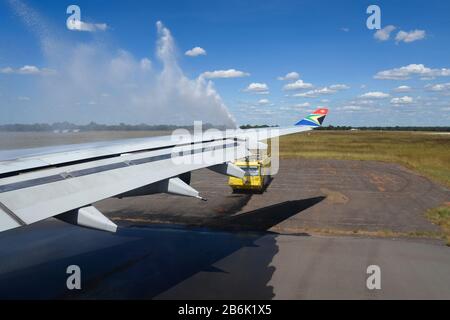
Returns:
(373,282)
(374,20)
(210,147)
(73,282)
(74,20)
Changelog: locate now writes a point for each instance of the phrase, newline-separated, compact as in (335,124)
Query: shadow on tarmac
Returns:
(137,262)
(265,218)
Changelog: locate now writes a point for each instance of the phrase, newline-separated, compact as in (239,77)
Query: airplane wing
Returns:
(64,182)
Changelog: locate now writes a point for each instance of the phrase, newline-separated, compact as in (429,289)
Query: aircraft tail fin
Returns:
(315,119)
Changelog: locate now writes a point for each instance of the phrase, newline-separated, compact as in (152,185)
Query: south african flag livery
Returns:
(315,119)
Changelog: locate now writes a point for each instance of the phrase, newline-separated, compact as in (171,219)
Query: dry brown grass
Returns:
(426,153)
(361,233)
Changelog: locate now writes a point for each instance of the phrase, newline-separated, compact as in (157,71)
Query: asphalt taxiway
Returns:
(167,262)
(305,194)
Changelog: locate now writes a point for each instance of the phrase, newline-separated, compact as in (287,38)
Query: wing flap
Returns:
(7,221)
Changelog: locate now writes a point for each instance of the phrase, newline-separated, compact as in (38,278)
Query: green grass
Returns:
(383,233)
(426,153)
(441,217)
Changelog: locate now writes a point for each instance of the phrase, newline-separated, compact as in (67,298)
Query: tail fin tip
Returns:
(315,119)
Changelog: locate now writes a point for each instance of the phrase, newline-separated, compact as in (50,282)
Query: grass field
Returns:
(426,153)
(441,217)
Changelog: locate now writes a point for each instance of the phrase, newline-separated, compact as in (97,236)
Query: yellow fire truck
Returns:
(257,175)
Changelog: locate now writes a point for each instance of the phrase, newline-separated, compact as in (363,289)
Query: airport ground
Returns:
(322,221)
(327,197)
(427,153)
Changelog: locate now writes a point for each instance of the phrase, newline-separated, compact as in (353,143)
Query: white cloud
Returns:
(403,89)
(146,64)
(78,25)
(27,70)
(403,36)
(339,87)
(297,85)
(263,102)
(303,107)
(259,88)
(291,76)
(402,101)
(23,98)
(195,52)
(230,73)
(7,70)
(351,108)
(345,29)
(440,87)
(322,91)
(406,72)
(364,102)
(385,33)
(308,94)
(315,93)
(375,95)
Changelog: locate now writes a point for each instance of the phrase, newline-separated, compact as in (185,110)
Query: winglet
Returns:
(315,119)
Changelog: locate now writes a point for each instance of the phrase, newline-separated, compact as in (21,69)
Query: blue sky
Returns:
(112,72)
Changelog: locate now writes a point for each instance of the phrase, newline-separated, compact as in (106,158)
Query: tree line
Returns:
(70,127)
